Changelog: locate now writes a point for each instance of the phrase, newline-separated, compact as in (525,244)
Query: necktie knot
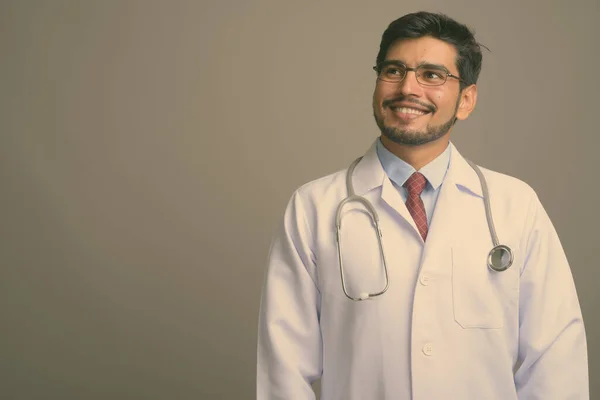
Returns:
(415,184)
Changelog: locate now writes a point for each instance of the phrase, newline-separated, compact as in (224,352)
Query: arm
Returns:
(289,337)
(552,341)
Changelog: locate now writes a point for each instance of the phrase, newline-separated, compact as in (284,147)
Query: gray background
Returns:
(148,149)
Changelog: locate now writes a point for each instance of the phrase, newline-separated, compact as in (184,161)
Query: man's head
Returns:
(411,109)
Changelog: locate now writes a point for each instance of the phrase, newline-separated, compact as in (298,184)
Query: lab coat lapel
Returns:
(392,197)
(446,224)
(443,224)
(369,174)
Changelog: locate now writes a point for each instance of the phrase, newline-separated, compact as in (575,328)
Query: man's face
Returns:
(412,114)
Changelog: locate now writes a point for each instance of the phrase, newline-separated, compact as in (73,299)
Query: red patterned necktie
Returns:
(415,185)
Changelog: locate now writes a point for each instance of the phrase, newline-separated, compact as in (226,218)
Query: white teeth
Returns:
(407,110)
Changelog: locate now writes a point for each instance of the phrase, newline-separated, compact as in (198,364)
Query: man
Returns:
(447,326)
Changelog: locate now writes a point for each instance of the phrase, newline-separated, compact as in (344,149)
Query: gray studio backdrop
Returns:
(148,149)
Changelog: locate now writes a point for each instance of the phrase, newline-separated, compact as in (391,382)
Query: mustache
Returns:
(389,102)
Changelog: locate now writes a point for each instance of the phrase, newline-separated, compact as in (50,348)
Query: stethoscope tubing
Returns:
(492,261)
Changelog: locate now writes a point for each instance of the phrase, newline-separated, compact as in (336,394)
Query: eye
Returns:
(392,71)
(433,74)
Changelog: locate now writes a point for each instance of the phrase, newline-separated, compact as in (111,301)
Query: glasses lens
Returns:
(431,76)
(392,73)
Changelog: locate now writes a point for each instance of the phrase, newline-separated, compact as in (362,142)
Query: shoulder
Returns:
(501,186)
(514,198)
(321,190)
(506,185)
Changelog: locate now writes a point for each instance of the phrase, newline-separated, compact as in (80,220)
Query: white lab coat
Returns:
(448,327)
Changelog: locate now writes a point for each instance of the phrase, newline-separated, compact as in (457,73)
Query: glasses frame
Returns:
(378,69)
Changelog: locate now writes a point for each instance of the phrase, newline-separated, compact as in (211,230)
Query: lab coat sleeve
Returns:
(289,337)
(553,360)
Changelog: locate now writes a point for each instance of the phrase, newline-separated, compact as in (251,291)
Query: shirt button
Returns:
(428,349)
(424,280)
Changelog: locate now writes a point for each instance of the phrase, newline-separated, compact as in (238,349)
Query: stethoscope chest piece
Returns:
(500,258)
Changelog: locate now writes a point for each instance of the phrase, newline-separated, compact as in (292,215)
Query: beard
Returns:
(414,137)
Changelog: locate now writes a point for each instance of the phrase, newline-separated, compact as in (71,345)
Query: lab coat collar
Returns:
(462,174)
(369,174)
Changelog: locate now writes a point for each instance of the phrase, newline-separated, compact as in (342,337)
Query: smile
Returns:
(407,110)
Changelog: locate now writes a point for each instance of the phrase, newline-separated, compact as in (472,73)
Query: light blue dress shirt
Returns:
(399,171)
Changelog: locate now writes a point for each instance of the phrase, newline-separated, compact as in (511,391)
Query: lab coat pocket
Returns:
(483,298)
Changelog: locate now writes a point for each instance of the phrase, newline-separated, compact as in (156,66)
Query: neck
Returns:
(417,156)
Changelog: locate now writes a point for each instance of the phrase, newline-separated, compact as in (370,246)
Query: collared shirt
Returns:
(399,171)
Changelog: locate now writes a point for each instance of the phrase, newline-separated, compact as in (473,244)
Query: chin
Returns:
(412,137)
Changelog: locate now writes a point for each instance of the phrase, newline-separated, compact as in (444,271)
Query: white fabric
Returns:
(448,327)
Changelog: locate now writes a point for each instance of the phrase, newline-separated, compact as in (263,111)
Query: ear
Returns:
(468,99)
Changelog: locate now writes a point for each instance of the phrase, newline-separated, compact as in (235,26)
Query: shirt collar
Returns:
(369,173)
(399,171)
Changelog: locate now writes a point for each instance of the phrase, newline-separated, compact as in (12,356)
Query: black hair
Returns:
(442,27)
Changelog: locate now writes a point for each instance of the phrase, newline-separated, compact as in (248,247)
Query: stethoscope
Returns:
(500,257)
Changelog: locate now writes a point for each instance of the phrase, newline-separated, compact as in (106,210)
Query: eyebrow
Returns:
(423,64)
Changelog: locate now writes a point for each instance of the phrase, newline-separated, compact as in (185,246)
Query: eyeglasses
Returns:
(427,74)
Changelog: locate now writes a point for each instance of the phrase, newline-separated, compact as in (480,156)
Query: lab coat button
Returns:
(428,349)
(424,280)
